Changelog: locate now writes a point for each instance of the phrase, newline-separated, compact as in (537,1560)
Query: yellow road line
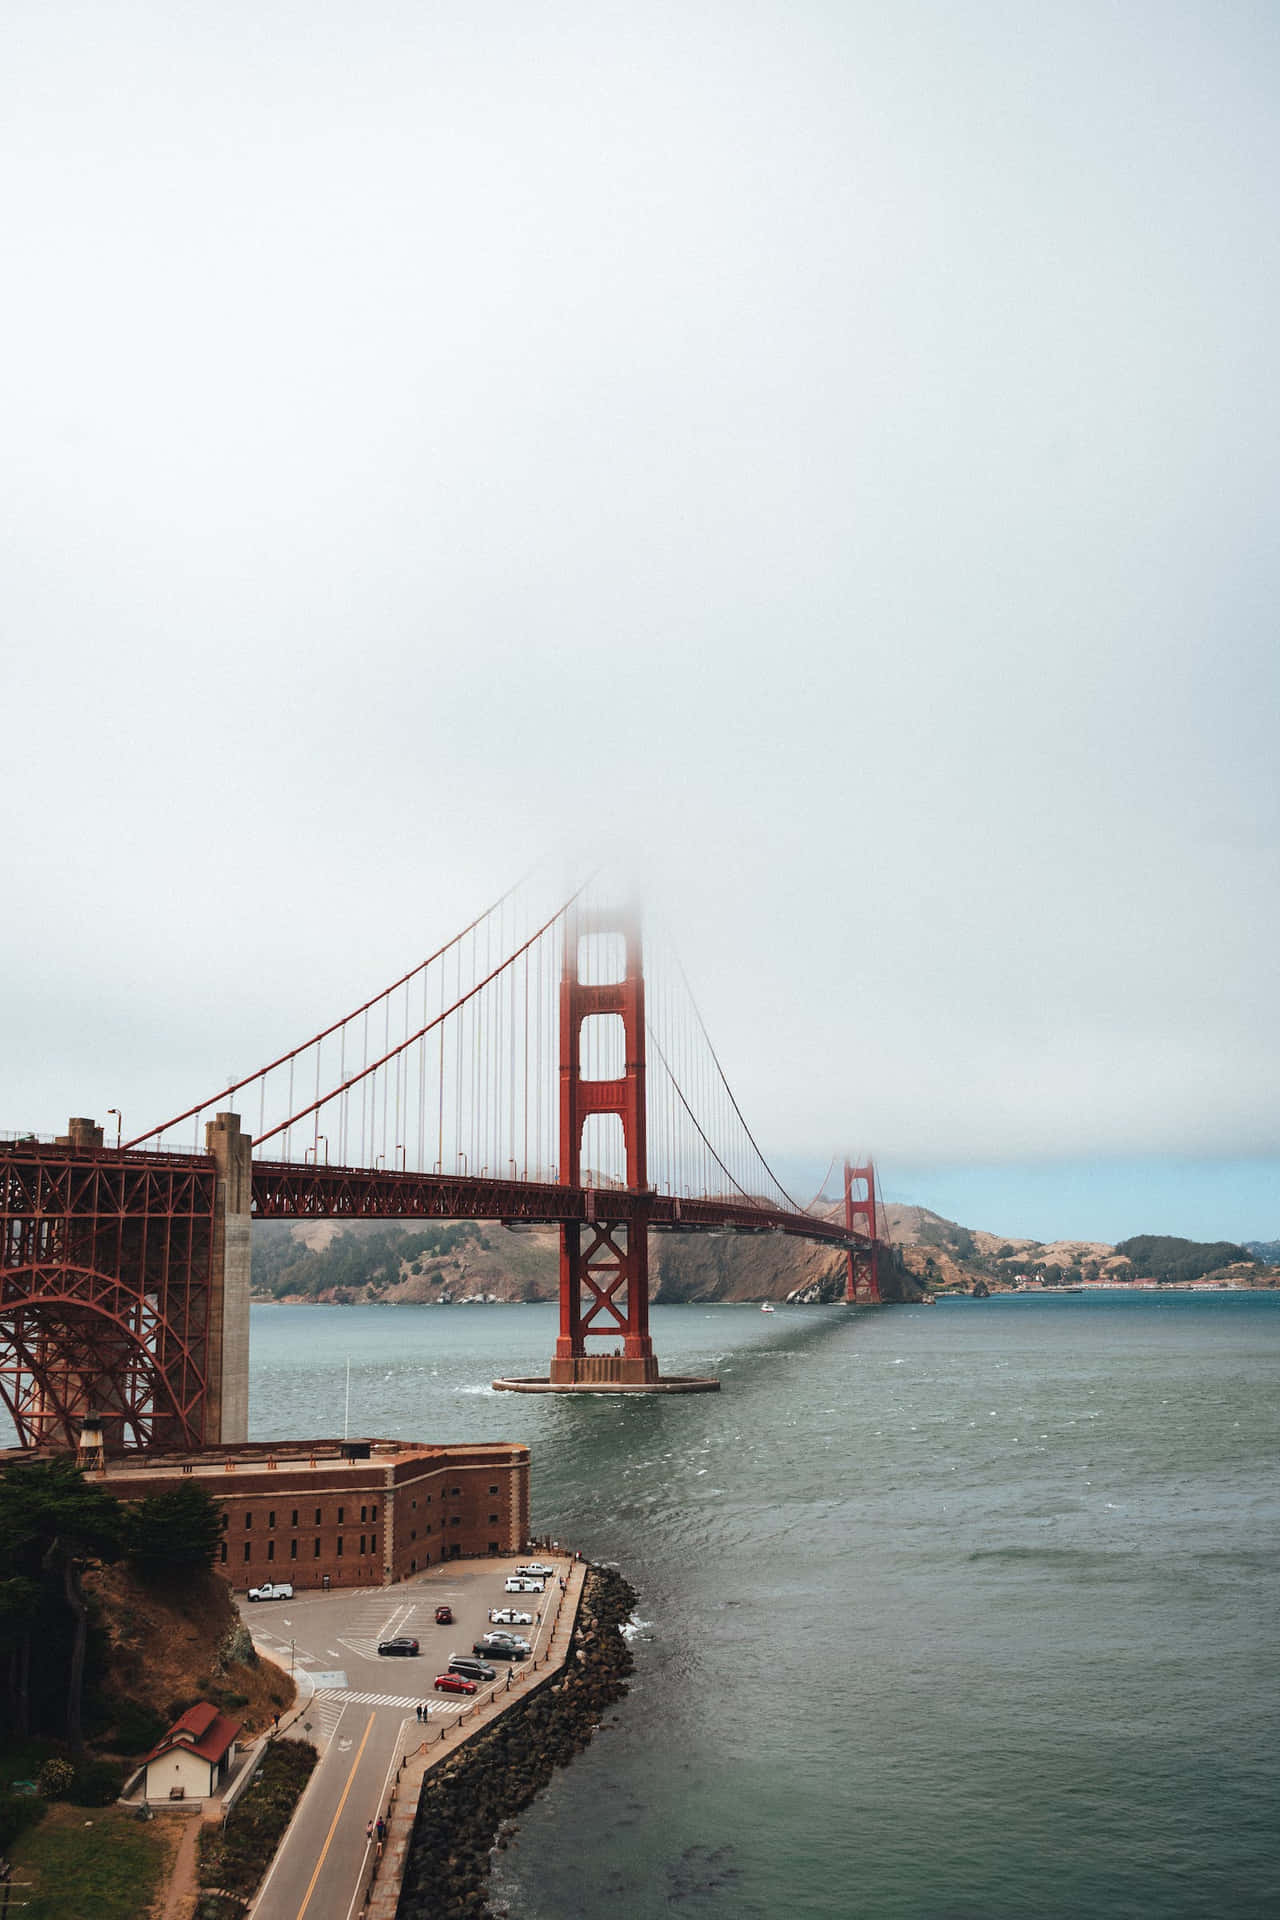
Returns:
(333,1826)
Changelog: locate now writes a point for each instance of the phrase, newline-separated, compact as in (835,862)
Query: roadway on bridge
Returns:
(363,1714)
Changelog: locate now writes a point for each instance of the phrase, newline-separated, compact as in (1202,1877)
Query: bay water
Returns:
(945,1612)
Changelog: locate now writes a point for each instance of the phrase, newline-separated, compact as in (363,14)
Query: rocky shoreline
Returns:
(465,1801)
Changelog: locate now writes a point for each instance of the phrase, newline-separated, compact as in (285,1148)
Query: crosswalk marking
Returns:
(436,1707)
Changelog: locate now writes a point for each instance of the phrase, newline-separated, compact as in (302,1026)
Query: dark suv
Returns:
(401,1644)
(472,1669)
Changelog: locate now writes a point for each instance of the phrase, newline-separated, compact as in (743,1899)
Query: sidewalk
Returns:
(382,1891)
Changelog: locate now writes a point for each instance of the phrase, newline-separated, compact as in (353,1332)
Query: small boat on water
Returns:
(766,1308)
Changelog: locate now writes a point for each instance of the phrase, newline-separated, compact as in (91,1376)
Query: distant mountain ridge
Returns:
(468,1261)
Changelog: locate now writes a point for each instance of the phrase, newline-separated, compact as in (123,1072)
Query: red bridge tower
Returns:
(862,1288)
(604,1261)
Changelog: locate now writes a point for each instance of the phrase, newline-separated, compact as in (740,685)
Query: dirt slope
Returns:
(169,1646)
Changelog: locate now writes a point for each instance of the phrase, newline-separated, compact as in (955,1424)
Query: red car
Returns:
(444,1616)
(454,1683)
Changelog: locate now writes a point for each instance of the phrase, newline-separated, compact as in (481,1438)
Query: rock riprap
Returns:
(466,1801)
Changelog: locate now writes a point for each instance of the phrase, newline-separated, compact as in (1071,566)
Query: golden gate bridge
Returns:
(546,1065)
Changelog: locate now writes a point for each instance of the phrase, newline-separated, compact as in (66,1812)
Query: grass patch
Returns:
(234,1857)
(103,1865)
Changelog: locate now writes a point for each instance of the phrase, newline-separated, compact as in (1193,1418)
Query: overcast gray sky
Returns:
(826,453)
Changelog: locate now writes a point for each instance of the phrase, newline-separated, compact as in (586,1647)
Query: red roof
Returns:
(203,1730)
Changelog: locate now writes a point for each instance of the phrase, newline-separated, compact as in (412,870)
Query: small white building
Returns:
(195,1756)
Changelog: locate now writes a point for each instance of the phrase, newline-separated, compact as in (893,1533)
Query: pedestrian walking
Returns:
(368,1832)
(275,1723)
(417,1713)
(380,1828)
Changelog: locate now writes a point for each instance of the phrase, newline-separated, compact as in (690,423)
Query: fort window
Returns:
(493,1489)
(373,1543)
(293,1549)
(223,1555)
(271,1549)
(316,1551)
(246,1549)
(293,1518)
(362,1543)
(317,1516)
(248,1519)
(339,1546)
(341,1510)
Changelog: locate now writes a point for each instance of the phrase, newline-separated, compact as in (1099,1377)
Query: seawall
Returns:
(465,1800)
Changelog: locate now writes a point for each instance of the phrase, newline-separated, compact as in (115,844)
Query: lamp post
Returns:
(119,1124)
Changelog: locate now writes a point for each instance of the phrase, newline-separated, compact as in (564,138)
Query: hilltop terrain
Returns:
(479,1260)
(342,1263)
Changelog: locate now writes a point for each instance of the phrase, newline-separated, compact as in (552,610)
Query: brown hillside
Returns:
(496,1263)
(173,1643)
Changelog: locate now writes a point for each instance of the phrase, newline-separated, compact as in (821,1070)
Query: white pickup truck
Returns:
(273,1590)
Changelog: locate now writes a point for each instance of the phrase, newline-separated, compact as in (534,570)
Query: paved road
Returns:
(363,1715)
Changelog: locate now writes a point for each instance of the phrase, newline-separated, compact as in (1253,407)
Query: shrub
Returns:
(97,1783)
(56,1778)
(234,1857)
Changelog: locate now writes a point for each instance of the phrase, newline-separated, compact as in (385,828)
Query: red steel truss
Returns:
(106,1283)
(287,1190)
(105,1287)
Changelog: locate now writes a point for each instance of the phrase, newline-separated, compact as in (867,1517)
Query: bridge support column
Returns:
(604,1257)
(604,1262)
(227,1419)
(862,1287)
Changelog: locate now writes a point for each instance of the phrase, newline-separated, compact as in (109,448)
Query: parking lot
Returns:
(365,1710)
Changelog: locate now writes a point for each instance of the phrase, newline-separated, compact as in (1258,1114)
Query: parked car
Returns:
(401,1644)
(535,1570)
(502,1646)
(471,1669)
(272,1590)
(444,1616)
(509,1617)
(518,1584)
(455,1683)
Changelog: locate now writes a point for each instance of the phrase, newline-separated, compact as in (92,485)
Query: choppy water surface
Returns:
(947,1612)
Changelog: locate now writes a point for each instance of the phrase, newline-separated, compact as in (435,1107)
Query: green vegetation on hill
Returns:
(284,1267)
(1164,1257)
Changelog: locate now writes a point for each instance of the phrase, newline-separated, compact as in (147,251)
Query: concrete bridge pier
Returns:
(227,1419)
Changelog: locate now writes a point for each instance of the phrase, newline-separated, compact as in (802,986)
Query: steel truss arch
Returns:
(75,1340)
